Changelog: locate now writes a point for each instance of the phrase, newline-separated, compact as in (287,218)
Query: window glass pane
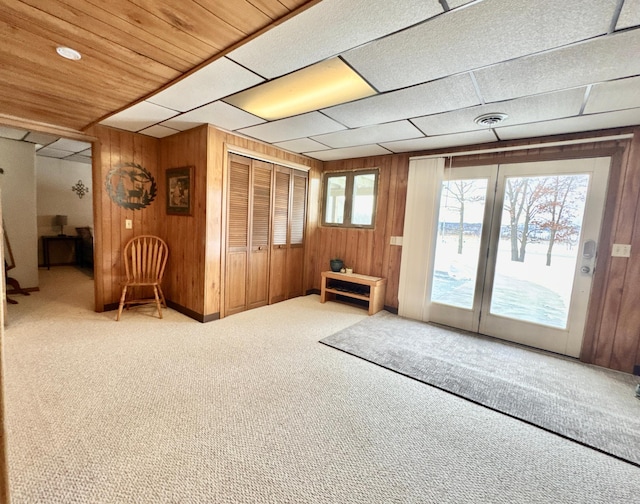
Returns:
(334,200)
(363,199)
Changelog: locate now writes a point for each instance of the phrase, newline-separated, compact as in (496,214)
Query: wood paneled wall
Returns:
(115,147)
(193,280)
(367,251)
(612,336)
(186,235)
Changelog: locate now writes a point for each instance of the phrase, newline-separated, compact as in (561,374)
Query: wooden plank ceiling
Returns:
(130,49)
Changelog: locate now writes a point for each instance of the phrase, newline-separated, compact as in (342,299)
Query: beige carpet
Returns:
(251,409)
(588,404)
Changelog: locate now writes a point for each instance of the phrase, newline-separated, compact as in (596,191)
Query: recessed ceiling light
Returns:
(324,84)
(68,53)
(491,119)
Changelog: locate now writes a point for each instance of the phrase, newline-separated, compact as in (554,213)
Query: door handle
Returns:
(589,249)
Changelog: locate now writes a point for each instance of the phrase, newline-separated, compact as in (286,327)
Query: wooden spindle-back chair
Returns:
(145,258)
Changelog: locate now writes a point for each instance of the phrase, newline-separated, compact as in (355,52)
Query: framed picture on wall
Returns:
(180,190)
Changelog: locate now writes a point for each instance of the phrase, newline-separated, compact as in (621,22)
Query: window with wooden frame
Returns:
(350,198)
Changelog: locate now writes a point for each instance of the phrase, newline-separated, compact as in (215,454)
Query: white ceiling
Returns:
(50,145)
(552,66)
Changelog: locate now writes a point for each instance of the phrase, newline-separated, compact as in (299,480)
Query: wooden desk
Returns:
(355,286)
(46,247)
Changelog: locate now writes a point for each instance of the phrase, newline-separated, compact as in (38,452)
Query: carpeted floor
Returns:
(251,409)
(588,404)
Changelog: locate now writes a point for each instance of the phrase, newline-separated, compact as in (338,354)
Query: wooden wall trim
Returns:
(541,155)
(28,124)
(513,146)
(601,277)
(261,156)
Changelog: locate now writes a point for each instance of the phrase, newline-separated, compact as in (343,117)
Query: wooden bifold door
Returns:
(266,216)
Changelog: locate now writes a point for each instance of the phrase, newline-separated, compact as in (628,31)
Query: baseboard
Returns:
(192,314)
(636,369)
(313,291)
(179,308)
(391,309)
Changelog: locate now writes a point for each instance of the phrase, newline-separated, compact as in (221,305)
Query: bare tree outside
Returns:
(560,207)
(522,195)
(463,191)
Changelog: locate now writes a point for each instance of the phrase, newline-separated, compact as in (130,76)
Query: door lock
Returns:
(585,270)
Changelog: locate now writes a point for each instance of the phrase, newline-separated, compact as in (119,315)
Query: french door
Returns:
(515,250)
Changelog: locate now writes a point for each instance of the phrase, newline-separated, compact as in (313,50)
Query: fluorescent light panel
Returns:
(324,84)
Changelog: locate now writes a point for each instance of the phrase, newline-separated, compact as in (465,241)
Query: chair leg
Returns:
(164,301)
(155,293)
(124,294)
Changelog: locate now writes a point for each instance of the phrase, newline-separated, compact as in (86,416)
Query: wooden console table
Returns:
(46,247)
(355,286)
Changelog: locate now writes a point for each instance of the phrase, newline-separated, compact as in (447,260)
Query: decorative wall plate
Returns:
(131,186)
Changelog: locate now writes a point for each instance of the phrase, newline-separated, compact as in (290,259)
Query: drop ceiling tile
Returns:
(630,117)
(301,145)
(78,158)
(212,82)
(400,130)
(40,138)
(348,153)
(629,15)
(328,29)
(219,114)
(614,95)
(521,110)
(54,153)
(481,34)
(140,116)
(12,133)
(158,131)
(611,57)
(305,125)
(442,141)
(431,98)
(86,152)
(70,145)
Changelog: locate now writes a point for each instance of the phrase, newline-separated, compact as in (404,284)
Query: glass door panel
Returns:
(462,207)
(466,199)
(515,250)
(538,248)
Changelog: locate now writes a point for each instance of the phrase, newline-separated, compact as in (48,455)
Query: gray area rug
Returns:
(594,406)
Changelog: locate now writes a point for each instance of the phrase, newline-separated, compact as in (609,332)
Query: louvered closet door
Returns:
(237,235)
(280,238)
(297,216)
(258,282)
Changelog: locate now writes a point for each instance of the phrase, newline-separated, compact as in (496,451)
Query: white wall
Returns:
(18,184)
(54,180)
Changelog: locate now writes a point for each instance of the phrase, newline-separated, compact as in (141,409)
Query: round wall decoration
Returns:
(131,186)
